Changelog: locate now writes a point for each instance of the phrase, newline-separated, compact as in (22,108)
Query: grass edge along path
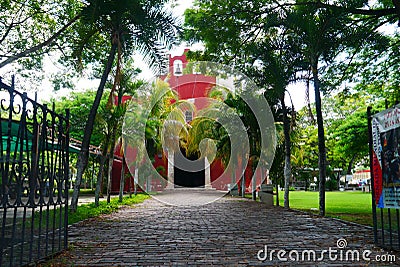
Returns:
(86,211)
(352,206)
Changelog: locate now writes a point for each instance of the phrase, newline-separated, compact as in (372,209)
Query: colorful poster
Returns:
(386,157)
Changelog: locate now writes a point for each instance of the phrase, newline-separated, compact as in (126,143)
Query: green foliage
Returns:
(304,150)
(79,104)
(249,121)
(276,171)
(331,185)
(28,23)
(346,133)
(200,129)
(145,26)
(163,124)
(272,42)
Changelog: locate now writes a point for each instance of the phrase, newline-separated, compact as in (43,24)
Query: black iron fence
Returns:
(34,164)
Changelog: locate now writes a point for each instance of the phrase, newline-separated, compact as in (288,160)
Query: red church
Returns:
(193,87)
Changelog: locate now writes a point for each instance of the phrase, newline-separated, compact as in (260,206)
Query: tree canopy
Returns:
(327,43)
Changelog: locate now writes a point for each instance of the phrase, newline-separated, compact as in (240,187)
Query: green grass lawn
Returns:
(86,211)
(354,206)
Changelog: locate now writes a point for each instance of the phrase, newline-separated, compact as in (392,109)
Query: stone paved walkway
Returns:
(228,232)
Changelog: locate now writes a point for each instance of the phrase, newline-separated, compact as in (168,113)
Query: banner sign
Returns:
(386,157)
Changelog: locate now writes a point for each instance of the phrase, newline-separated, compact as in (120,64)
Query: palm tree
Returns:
(132,138)
(281,61)
(125,85)
(321,35)
(128,24)
(253,133)
(219,131)
(155,121)
(174,133)
(111,119)
(262,51)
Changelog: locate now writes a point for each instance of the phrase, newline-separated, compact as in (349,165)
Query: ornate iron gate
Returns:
(34,164)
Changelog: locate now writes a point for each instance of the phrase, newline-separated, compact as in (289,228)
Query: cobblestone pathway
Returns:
(228,232)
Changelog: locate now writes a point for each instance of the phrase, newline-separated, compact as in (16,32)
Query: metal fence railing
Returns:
(34,164)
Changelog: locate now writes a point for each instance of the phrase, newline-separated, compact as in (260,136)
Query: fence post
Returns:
(370,141)
(66,178)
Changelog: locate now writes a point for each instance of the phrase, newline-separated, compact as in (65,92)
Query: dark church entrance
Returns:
(184,178)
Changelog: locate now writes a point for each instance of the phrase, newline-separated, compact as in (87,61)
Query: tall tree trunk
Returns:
(233,179)
(321,138)
(122,181)
(84,153)
(309,109)
(171,174)
(99,181)
(350,166)
(287,170)
(243,186)
(254,183)
(135,180)
(129,186)
(104,153)
(148,183)
(110,163)
(109,176)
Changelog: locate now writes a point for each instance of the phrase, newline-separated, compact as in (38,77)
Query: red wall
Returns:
(131,154)
(116,177)
(189,86)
